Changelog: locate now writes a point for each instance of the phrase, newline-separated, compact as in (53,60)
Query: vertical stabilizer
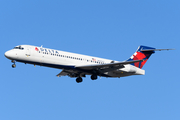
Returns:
(143,52)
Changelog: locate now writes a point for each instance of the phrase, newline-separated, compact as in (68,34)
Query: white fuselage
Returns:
(65,60)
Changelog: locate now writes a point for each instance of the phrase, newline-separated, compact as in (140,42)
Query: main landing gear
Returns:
(79,79)
(93,77)
(13,65)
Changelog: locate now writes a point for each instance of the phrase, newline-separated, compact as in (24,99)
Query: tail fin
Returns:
(143,52)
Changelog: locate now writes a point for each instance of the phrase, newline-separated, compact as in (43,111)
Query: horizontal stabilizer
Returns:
(154,50)
(143,52)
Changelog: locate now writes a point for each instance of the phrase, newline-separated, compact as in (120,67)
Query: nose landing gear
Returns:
(13,65)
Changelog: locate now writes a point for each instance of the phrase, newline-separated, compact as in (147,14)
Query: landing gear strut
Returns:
(93,77)
(79,79)
(13,65)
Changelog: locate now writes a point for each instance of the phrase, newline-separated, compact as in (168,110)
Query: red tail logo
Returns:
(139,55)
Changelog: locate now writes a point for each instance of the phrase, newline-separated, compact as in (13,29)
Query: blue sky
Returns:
(108,29)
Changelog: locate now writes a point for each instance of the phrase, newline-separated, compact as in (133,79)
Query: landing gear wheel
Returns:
(13,65)
(79,79)
(93,77)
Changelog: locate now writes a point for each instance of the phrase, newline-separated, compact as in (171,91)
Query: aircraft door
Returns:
(28,51)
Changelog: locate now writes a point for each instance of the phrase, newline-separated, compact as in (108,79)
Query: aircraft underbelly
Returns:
(119,73)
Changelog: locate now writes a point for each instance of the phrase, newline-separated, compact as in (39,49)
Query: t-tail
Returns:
(143,53)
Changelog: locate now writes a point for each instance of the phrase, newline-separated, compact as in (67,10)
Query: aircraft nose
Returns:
(8,54)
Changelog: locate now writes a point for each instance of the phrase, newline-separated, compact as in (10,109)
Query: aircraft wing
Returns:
(107,66)
(99,68)
(62,73)
(71,73)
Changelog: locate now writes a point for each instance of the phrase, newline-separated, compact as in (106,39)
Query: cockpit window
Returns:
(19,47)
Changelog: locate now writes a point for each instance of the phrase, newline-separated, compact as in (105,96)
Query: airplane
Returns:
(77,65)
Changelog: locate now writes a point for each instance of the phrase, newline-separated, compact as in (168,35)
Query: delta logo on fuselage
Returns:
(47,50)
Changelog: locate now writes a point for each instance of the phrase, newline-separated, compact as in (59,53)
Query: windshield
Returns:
(19,47)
